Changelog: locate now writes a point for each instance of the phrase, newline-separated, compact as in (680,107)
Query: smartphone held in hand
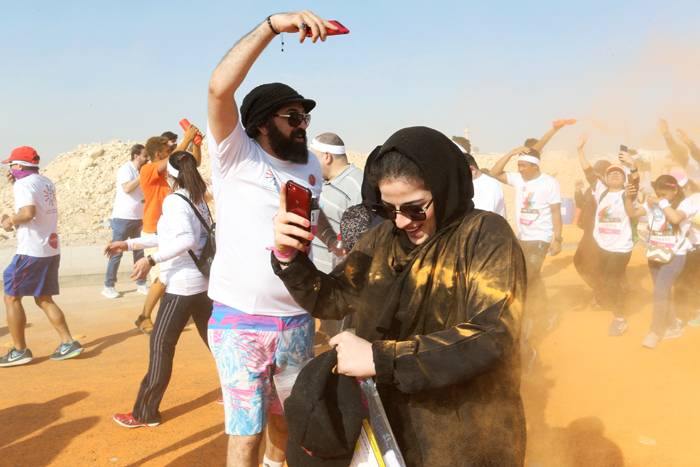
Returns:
(298,201)
(331,32)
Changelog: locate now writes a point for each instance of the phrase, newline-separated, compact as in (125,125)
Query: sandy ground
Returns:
(591,400)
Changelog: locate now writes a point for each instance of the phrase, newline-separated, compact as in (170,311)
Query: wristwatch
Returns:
(151,261)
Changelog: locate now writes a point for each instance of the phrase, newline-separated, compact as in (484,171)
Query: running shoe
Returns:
(143,324)
(651,340)
(695,322)
(66,351)
(142,289)
(617,327)
(674,331)
(127,420)
(16,357)
(110,292)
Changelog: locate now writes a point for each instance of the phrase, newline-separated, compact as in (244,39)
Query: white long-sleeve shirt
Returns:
(179,230)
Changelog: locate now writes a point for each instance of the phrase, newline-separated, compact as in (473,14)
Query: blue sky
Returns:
(79,72)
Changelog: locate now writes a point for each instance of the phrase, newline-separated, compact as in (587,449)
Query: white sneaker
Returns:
(110,292)
(651,340)
(142,289)
(674,332)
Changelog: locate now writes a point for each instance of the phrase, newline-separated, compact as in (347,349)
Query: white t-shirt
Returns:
(127,205)
(533,200)
(179,230)
(38,237)
(691,207)
(246,184)
(612,230)
(662,233)
(488,195)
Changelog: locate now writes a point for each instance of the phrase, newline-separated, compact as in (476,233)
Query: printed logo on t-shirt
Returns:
(608,223)
(50,196)
(528,215)
(270,180)
(53,240)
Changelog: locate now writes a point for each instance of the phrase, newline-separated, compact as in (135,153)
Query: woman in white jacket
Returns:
(179,232)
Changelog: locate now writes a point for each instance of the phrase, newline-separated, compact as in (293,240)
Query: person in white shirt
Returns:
(256,327)
(33,270)
(539,229)
(686,293)
(181,234)
(488,194)
(612,233)
(127,217)
(667,248)
(342,188)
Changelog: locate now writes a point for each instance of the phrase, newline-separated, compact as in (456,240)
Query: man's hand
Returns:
(355,356)
(663,126)
(290,227)
(10,178)
(7,223)
(631,191)
(299,22)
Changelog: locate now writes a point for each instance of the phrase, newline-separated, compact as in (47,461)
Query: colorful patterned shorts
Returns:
(249,350)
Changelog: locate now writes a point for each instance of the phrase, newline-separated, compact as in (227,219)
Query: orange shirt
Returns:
(155,188)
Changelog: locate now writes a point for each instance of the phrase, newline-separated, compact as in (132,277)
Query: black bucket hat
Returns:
(265,99)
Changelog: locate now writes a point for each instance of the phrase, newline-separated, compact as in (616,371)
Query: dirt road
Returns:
(591,400)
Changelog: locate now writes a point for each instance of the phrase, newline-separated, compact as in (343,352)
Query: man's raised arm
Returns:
(233,68)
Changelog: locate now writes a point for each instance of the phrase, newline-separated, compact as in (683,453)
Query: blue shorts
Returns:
(29,276)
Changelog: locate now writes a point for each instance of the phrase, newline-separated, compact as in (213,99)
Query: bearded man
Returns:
(257,328)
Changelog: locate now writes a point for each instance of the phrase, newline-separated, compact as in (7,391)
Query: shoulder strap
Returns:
(603,195)
(196,211)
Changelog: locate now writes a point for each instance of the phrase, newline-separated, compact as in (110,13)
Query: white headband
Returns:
(530,159)
(330,148)
(172,171)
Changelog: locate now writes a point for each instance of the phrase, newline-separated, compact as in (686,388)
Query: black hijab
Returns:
(442,165)
(370,191)
(443,169)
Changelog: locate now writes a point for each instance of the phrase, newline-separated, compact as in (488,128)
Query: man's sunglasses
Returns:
(295,118)
(412,211)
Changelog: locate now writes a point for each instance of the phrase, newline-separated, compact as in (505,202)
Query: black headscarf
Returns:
(370,191)
(443,169)
(442,165)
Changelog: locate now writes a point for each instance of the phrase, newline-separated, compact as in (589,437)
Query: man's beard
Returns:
(287,148)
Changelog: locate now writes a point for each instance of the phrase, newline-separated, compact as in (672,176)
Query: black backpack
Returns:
(204,261)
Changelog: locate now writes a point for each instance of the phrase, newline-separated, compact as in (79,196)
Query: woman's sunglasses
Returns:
(295,118)
(412,211)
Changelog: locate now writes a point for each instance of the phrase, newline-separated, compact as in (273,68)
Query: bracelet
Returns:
(664,203)
(151,261)
(281,256)
(272,28)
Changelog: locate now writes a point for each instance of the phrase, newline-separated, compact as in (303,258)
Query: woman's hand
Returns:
(354,355)
(290,227)
(141,268)
(115,248)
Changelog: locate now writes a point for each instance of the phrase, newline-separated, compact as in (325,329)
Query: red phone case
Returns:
(332,32)
(299,202)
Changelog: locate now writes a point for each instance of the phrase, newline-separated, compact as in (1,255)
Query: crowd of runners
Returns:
(372,256)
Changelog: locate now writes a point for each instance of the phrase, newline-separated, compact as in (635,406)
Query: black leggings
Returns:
(613,282)
(173,314)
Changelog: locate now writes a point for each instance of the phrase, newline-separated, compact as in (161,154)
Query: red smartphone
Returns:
(332,32)
(185,124)
(298,201)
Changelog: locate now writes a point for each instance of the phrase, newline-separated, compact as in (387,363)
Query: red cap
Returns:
(23,155)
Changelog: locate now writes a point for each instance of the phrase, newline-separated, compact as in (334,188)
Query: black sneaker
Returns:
(16,357)
(66,351)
